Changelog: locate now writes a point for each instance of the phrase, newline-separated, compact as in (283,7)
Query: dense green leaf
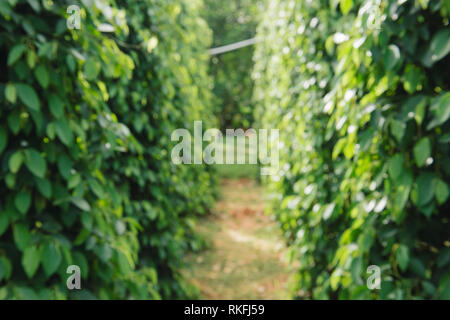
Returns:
(15,53)
(402,257)
(426,185)
(444,287)
(396,164)
(124,264)
(412,79)
(403,185)
(51,258)
(381,99)
(11,93)
(35,5)
(81,203)
(42,76)
(14,122)
(444,257)
(398,129)
(422,151)
(31,260)
(441,110)
(74,181)
(91,69)
(21,236)
(35,163)
(5,268)
(64,132)
(3,139)
(28,96)
(31,58)
(15,162)
(45,188)
(346,5)
(65,166)
(418,267)
(96,188)
(23,201)
(80,260)
(439,47)
(92,148)
(4,222)
(56,106)
(442,192)
(391,57)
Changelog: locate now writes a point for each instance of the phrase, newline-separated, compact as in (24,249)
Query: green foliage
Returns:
(232,21)
(85,125)
(360,95)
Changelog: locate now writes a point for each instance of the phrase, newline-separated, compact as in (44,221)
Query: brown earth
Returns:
(247,257)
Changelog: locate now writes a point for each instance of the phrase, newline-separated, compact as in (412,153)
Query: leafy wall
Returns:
(360,93)
(85,123)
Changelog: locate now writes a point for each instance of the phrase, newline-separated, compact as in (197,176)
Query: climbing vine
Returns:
(85,127)
(358,92)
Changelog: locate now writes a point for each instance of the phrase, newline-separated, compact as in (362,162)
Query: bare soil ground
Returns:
(246,256)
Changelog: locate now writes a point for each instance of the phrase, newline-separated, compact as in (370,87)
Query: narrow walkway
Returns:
(246,257)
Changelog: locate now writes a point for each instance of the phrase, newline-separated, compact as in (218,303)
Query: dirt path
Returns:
(246,258)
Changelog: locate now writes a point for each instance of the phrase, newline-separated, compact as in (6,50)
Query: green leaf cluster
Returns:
(85,125)
(360,94)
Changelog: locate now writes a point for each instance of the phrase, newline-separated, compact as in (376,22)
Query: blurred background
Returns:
(91,92)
